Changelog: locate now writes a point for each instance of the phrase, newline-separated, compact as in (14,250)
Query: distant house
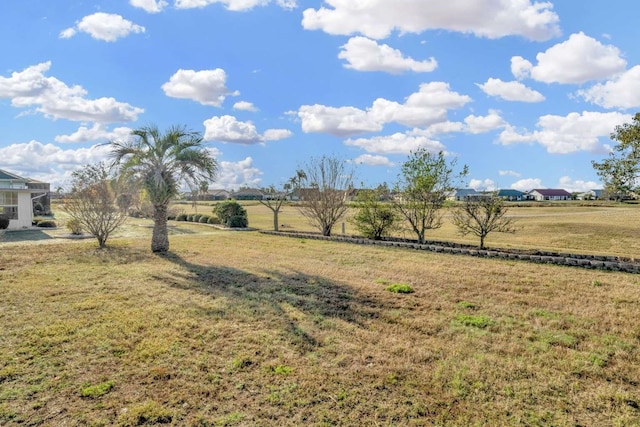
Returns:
(590,195)
(512,195)
(542,194)
(462,194)
(16,199)
(216,195)
(248,194)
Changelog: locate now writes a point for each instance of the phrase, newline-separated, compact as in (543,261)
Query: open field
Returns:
(245,329)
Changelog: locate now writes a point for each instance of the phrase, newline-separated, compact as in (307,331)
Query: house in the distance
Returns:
(248,194)
(16,199)
(461,194)
(511,195)
(590,195)
(543,194)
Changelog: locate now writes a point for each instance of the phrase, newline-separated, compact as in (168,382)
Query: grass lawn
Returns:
(245,329)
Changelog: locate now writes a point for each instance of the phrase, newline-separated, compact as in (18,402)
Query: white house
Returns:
(15,200)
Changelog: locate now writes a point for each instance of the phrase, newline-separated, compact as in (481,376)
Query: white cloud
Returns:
(427,107)
(527,184)
(482,124)
(48,162)
(233,175)
(484,18)
(577,60)
(208,87)
(229,130)
(150,6)
(508,173)
(510,91)
(235,5)
(244,106)
(577,185)
(364,54)
(108,27)
(482,185)
(54,99)
(569,134)
(371,160)
(623,91)
(398,143)
(97,132)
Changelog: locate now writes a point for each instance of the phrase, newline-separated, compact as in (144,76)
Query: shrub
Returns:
(47,223)
(4,222)
(195,217)
(237,221)
(228,209)
(74,226)
(213,220)
(181,217)
(204,219)
(190,218)
(400,288)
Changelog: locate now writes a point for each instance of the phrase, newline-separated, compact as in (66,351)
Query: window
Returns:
(9,204)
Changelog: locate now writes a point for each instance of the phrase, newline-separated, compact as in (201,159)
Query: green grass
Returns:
(240,328)
(399,288)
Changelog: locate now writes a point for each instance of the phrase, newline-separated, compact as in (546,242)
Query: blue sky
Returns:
(525,93)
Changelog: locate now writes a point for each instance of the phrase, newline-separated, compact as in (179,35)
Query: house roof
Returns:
(8,176)
(510,193)
(249,192)
(551,192)
(465,192)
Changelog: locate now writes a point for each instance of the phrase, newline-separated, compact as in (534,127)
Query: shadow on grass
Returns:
(289,300)
(29,235)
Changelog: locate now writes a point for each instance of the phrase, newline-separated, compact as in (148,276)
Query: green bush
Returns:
(238,221)
(195,217)
(4,222)
(181,217)
(47,223)
(228,209)
(204,219)
(213,220)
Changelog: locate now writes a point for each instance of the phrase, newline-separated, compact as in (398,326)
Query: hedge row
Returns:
(571,260)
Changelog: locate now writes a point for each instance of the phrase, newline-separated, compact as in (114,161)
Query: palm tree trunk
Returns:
(160,238)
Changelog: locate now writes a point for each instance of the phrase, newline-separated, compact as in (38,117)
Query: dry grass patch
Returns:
(247,329)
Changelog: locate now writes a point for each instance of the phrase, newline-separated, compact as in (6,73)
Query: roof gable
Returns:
(8,176)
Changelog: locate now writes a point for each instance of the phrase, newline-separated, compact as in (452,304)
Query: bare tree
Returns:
(481,215)
(326,199)
(93,202)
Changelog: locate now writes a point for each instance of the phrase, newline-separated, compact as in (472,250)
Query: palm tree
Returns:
(160,161)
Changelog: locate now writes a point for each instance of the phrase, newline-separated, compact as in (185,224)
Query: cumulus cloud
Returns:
(233,175)
(508,173)
(527,184)
(95,133)
(208,87)
(48,162)
(483,124)
(568,134)
(244,106)
(398,143)
(484,18)
(235,5)
(363,54)
(108,27)
(150,6)
(372,160)
(577,60)
(623,91)
(229,130)
(510,91)
(424,108)
(577,185)
(482,184)
(53,98)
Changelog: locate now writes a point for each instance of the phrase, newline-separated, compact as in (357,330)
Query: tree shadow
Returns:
(278,297)
(29,235)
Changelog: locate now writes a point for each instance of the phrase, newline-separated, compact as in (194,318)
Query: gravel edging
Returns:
(600,262)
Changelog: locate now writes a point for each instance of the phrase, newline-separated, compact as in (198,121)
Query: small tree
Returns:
(92,202)
(374,216)
(274,200)
(424,183)
(326,201)
(231,214)
(482,215)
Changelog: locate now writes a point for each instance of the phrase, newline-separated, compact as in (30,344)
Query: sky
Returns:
(526,93)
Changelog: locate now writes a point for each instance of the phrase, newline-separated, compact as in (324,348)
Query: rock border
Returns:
(600,262)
